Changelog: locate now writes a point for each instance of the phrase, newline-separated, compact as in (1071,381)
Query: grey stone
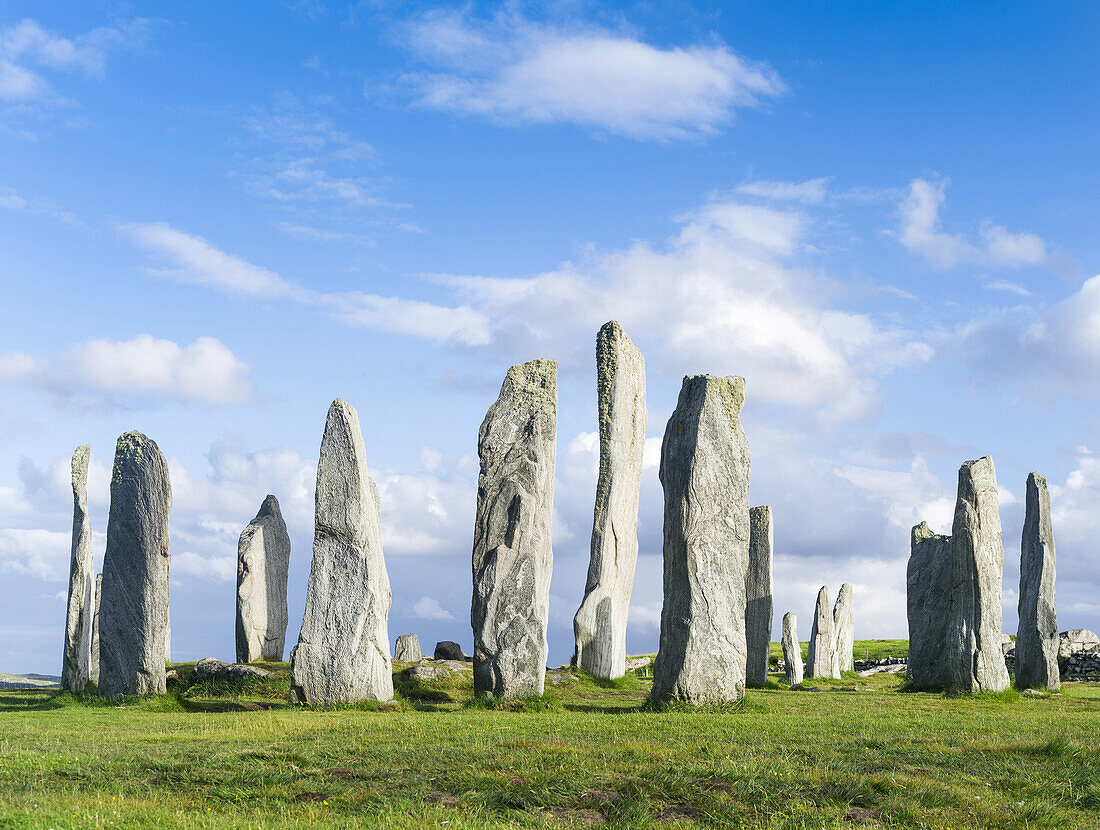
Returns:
(1037,635)
(512,555)
(210,669)
(1074,641)
(974,660)
(792,650)
(599,626)
(427,672)
(407,648)
(843,631)
(819,658)
(94,667)
(927,592)
(705,465)
(76,665)
(448,650)
(168,632)
(343,651)
(135,571)
(633,663)
(263,563)
(798,687)
(758,597)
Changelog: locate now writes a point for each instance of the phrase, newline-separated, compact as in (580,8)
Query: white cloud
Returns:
(920,231)
(428,608)
(513,71)
(35,551)
(721,296)
(192,259)
(809,192)
(145,368)
(209,568)
(1010,287)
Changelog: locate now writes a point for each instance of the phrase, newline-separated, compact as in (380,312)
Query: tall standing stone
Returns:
(758,597)
(974,659)
(343,651)
(927,595)
(1037,635)
(93,673)
(792,650)
(600,624)
(512,555)
(819,660)
(843,631)
(705,464)
(263,563)
(135,571)
(76,666)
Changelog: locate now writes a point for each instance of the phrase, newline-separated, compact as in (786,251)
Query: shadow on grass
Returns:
(31,700)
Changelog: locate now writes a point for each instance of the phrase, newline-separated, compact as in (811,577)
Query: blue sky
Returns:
(215,218)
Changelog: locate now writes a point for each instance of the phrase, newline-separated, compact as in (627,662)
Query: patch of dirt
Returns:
(316,797)
(672,812)
(444,800)
(517,779)
(340,772)
(860,815)
(715,785)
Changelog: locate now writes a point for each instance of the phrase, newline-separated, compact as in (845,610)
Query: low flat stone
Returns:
(798,687)
(427,672)
(210,668)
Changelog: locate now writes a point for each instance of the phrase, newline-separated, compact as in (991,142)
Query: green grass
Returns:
(861,649)
(859,753)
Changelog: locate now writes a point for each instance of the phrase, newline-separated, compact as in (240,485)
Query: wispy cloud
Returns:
(512,70)
(809,192)
(29,54)
(1010,287)
(920,231)
(191,259)
(143,369)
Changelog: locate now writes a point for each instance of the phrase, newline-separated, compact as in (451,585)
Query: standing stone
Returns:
(407,649)
(792,650)
(705,463)
(975,662)
(843,631)
(512,556)
(819,661)
(343,651)
(94,667)
(263,562)
(448,650)
(927,594)
(1037,635)
(168,635)
(600,624)
(135,571)
(76,666)
(758,597)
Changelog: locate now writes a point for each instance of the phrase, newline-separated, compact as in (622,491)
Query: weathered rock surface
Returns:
(974,660)
(93,669)
(705,465)
(1074,641)
(76,664)
(512,555)
(1037,638)
(819,660)
(407,648)
(927,593)
(843,631)
(758,597)
(792,650)
(263,562)
(134,600)
(343,651)
(599,626)
(210,669)
(448,650)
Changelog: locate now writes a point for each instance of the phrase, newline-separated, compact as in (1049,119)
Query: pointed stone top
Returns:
(978,466)
(1037,480)
(732,390)
(132,447)
(270,507)
(80,465)
(613,330)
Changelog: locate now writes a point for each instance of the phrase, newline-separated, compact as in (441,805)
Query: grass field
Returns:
(861,752)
